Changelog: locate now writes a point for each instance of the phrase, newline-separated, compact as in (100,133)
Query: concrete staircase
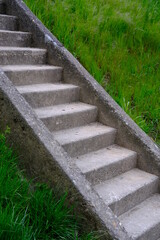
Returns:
(132,194)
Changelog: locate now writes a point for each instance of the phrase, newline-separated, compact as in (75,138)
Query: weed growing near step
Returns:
(31,215)
(118,43)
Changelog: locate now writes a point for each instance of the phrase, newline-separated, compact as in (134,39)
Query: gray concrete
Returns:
(127,190)
(129,135)
(8,22)
(106,163)
(81,140)
(15,55)
(130,187)
(32,74)
(15,39)
(143,217)
(45,160)
(67,115)
(43,95)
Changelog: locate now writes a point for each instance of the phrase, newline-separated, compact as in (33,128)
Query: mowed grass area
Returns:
(118,42)
(32,212)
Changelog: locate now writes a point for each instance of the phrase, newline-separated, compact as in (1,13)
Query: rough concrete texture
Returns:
(8,22)
(43,95)
(106,163)
(67,115)
(127,190)
(85,139)
(48,155)
(143,217)
(46,160)
(15,55)
(15,39)
(32,74)
(129,135)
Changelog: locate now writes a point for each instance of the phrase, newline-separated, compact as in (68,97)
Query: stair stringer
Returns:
(129,135)
(45,160)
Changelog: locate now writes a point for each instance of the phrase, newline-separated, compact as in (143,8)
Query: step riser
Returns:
(8,23)
(88,145)
(28,77)
(143,221)
(70,120)
(125,204)
(22,57)
(2,8)
(45,99)
(15,39)
(112,170)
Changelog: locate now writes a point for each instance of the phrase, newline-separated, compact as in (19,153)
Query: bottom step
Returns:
(143,221)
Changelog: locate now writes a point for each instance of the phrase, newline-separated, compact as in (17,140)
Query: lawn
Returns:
(118,42)
(32,212)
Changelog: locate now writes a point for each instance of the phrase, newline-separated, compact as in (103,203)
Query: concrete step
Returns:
(8,22)
(14,55)
(2,8)
(15,39)
(127,190)
(43,95)
(85,139)
(67,115)
(106,163)
(143,221)
(32,74)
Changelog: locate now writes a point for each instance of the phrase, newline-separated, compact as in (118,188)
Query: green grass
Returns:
(118,42)
(32,213)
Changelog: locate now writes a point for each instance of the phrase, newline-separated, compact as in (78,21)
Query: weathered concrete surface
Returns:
(67,115)
(46,160)
(127,190)
(43,95)
(15,55)
(84,139)
(32,74)
(129,135)
(8,22)
(106,163)
(15,39)
(143,217)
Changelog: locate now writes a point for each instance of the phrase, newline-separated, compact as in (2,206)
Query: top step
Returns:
(8,22)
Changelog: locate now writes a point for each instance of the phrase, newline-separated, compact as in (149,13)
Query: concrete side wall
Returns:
(129,134)
(43,157)
(46,161)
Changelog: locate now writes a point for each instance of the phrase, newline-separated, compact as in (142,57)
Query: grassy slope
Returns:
(118,41)
(27,214)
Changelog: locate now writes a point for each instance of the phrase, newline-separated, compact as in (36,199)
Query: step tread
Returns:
(45,87)
(115,189)
(20,49)
(63,109)
(15,32)
(143,217)
(103,157)
(80,133)
(28,67)
(8,16)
